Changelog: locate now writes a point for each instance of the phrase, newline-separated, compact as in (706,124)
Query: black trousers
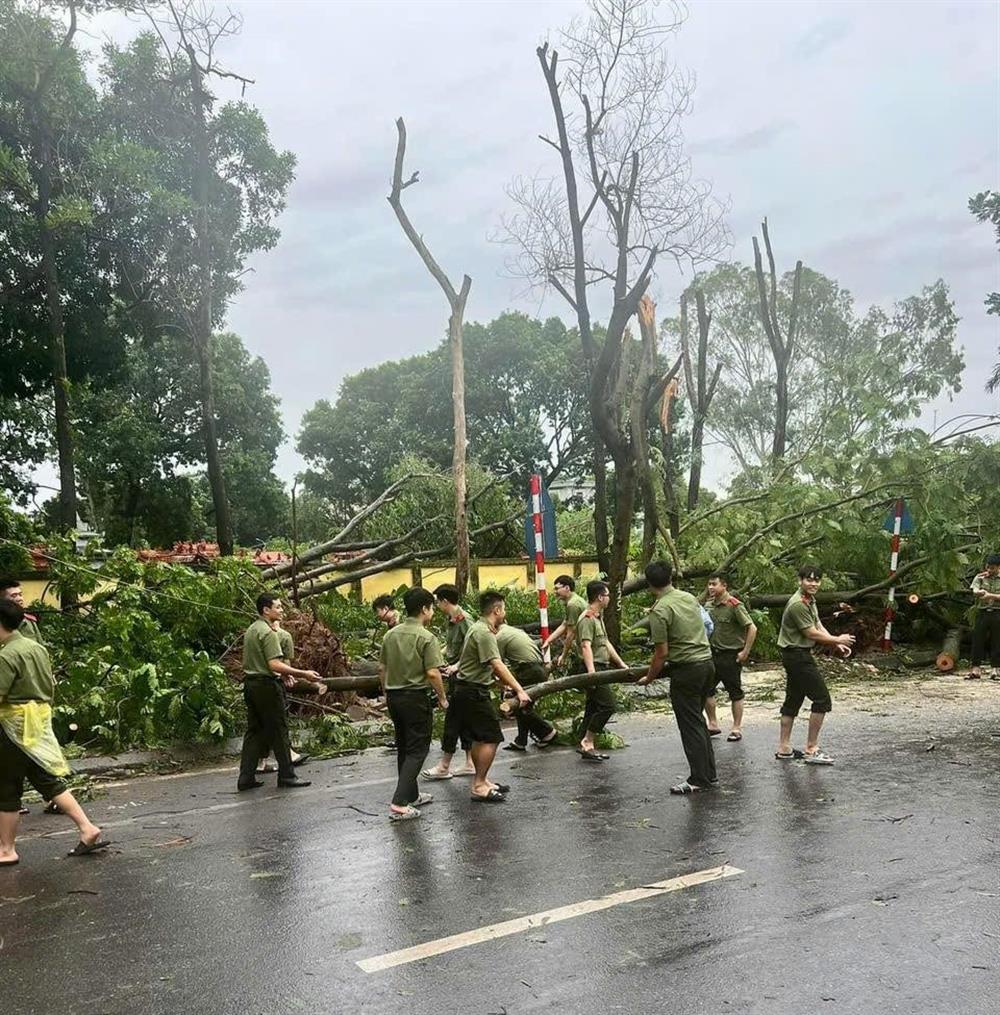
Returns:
(15,767)
(986,629)
(690,686)
(267,727)
(729,670)
(803,680)
(450,734)
(527,722)
(412,717)
(599,704)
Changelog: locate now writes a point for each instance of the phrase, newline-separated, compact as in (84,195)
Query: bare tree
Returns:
(701,389)
(625,198)
(456,301)
(782,345)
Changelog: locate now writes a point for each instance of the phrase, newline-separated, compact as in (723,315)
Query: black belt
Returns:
(408,690)
(472,683)
(796,648)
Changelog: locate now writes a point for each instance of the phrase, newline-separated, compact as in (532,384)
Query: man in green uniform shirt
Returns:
(458,627)
(986,592)
(801,630)
(410,664)
(565,589)
(287,655)
(479,666)
(678,634)
(10,588)
(598,654)
(732,637)
(28,746)
(524,659)
(265,676)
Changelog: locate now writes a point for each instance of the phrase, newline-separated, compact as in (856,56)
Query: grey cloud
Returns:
(739,144)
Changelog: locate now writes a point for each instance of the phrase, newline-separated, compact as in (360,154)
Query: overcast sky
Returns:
(859,129)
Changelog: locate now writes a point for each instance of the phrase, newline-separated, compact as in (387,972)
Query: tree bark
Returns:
(701,390)
(202,337)
(577,681)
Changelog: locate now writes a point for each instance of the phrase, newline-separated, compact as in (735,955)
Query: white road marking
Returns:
(251,801)
(522,923)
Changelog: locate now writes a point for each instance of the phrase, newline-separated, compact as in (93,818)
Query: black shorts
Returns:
(728,671)
(15,767)
(803,680)
(472,706)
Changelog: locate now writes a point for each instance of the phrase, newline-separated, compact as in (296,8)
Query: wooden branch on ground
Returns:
(575,682)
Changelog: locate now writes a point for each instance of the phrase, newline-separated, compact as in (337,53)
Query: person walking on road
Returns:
(265,677)
(478,666)
(28,746)
(410,664)
(459,622)
(986,592)
(598,654)
(524,659)
(565,589)
(732,638)
(801,631)
(679,641)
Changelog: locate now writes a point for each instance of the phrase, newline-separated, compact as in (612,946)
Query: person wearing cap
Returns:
(410,664)
(565,589)
(801,631)
(986,593)
(458,621)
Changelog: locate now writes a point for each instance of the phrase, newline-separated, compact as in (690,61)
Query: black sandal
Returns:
(591,755)
(83,848)
(493,797)
(515,746)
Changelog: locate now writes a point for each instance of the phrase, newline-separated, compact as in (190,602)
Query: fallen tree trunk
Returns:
(950,650)
(576,682)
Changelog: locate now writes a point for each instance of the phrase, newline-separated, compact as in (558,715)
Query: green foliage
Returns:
(334,734)
(986,207)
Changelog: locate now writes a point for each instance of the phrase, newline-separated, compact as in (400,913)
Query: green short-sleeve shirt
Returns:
(454,638)
(800,614)
(479,650)
(575,607)
(286,643)
(676,619)
(731,621)
(591,628)
(25,671)
(517,647)
(261,644)
(988,584)
(29,628)
(408,651)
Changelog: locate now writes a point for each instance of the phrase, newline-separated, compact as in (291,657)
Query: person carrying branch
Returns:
(986,592)
(732,638)
(28,746)
(287,655)
(679,641)
(565,589)
(801,631)
(410,664)
(598,654)
(524,659)
(265,677)
(478,666)
(459,622)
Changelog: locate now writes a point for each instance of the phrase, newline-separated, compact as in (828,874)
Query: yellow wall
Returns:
(503,574)
(432,575)
(32,588)
(379,584)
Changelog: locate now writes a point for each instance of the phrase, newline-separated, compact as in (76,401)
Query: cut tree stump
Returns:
(950,650)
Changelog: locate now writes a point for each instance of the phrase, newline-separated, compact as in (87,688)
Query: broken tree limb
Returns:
(576,682)
(950,650)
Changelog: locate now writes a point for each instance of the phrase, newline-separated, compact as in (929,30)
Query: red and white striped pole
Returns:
(890,608)
(543,595)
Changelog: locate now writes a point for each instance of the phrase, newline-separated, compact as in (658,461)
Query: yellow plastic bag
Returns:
(29,725)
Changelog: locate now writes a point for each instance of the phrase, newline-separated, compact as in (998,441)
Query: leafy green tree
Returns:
(525,405)
(986,207)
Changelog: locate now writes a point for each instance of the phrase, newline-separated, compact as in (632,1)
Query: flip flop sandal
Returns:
(301,760)
(591,755)
(52,808)
(423,800)
(10,863)
(501,788)
(542,744)
(794,756)
(715,733)
(24,810)
(685,789)
(408,815)
(464,771)
(515,746)
(83,849)
(734,737)
(493,797)
(818,758)
(974,676)
(429,773)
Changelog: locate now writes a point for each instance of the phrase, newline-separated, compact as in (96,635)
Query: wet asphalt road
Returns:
(870,887)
